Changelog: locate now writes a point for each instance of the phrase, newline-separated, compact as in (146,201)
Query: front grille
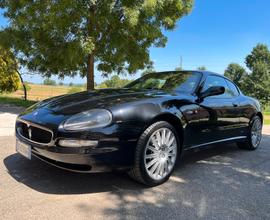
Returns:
(34,133)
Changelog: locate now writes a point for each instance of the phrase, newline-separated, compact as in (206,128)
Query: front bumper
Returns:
(115,150)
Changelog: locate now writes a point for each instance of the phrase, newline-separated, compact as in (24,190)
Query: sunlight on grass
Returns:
(267,118)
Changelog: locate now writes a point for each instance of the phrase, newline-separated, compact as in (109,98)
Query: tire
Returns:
(155,156)
(252,142)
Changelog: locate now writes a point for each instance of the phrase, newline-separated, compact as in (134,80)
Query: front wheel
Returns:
(156,154)
(254,136)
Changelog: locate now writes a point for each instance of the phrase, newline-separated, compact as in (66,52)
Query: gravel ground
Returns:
(221,182)
(8,116)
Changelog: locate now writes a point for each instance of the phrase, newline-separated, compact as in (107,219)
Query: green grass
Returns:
(15,101)
(267,121)
(266,116)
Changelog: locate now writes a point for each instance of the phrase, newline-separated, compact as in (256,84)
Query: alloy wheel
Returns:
(160,153)
(256,132)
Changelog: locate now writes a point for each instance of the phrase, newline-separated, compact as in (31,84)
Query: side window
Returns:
(217,81)
(233,90)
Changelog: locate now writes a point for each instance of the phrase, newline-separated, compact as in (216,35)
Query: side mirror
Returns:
(214,90)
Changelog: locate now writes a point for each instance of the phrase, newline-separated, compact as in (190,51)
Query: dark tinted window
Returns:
(233,90)
(217,81)
(179,81)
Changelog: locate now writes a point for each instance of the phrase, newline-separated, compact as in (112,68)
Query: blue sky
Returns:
(216,33)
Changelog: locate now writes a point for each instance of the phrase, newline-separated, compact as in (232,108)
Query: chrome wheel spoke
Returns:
(154,168)
(154,150)
(155,143)
(154,161)
(171,148)
(161,168)
(160,153)
(171,140)
(163,136)
(168,138)
(158,139)
(171,154)
(150,156)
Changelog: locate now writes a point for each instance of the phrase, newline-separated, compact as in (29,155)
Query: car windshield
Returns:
(178,81)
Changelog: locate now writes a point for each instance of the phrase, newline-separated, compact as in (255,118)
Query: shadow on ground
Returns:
(220,182)
(48,179)
(5,108)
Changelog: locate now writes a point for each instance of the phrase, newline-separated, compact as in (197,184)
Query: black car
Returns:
(142,128)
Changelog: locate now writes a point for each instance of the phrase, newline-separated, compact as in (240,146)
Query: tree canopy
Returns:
(49,82)
(148,70)
(114,82)
(236,73)
(9,78)
(255,82)
(203,68)
(66,37)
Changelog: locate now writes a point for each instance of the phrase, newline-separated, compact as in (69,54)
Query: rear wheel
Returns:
(156,154)
(254,136)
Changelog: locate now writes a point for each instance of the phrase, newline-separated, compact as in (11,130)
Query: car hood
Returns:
(105,98)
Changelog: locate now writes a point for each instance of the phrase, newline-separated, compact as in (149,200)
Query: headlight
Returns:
(89,119)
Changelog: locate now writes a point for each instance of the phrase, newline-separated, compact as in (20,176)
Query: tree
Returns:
(255,82)
(49,82)
(258,81)
(114,82)
(67,37)
(179,68)
(236,73)
(260,53)
(25,86)
(148,70)
(9,78)
(203,68)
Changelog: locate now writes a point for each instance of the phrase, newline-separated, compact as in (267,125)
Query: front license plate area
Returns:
(23,149)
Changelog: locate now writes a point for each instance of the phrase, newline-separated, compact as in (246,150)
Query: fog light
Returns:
(77,143)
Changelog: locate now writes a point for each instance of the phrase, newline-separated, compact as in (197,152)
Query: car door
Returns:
(219,116)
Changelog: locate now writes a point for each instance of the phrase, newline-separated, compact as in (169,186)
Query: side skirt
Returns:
(216,142)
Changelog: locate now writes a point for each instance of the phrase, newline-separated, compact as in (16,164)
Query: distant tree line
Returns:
(114,82)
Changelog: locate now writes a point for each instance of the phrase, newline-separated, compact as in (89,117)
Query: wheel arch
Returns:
(260,115)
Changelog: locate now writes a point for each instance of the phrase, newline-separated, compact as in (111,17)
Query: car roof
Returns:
(204,72)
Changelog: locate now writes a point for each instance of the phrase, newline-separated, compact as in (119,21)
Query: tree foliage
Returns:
(9,78)
(49,82)
(66,37)
(179,68)
(148,70)
(114,82)
(256,82)
(203,68)
(236,73)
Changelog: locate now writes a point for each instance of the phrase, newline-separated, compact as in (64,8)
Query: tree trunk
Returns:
(90,72)
(23,84)
(24,87)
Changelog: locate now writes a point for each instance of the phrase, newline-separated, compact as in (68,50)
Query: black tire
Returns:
(139,172)
(248,144)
